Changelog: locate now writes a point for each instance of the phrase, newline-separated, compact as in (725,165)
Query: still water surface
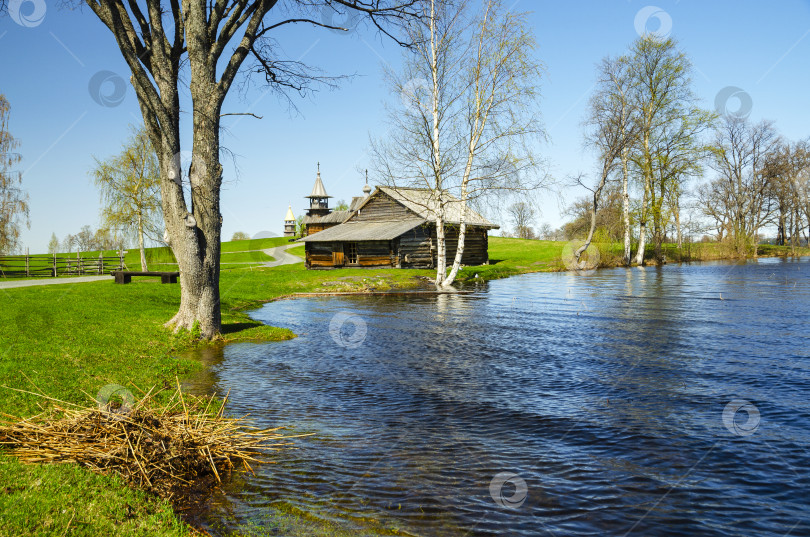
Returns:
(609,399)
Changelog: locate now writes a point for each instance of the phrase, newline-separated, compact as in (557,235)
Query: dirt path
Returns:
(54,281)
(281,256)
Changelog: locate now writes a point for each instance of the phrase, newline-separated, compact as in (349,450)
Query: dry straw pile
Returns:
(173,446)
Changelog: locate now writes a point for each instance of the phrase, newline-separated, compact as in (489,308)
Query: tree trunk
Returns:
(195,233)
(647,178)
(592,229)
(642,229)
(626,211)
(678,233)
(462,230)
(140,243)
(462,234)
(441,252)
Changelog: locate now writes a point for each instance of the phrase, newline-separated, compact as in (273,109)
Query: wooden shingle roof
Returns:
(364,231)
(424,203)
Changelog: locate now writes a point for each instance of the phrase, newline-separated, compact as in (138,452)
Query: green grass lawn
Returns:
(162,258)
(297,250)
(71,340)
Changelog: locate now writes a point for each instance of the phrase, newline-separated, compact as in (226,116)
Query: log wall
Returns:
(383,208)
(418,246)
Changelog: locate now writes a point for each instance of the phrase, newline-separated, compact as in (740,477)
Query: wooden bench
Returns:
(122,276)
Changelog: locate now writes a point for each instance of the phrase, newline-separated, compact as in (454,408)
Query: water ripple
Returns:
(606,394)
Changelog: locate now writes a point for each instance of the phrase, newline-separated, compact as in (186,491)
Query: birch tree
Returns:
(468,118)
(165,43)
(53,244)
(13,199)
(669,124)
(613,132)
(129,184)
(499,118)
(414,152)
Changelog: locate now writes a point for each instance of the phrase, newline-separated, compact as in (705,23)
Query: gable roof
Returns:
(364,231)
(423,202)
(335,217)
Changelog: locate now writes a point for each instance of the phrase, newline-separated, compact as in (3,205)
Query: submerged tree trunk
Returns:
(642,229)
(647,177)
(626,211)
(462,234)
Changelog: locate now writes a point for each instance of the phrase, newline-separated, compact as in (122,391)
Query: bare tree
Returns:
(468,116)
(68,243)
(240,236)
(613,131)
(522,215)
(129,184)
(211,42)
(84,239)
(13,200)
(787,168)
(738,197)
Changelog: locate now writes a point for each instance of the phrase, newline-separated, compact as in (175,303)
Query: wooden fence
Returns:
(42,266)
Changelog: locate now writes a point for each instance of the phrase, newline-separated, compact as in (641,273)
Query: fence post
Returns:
(100,263)
(27,264)
(54,265)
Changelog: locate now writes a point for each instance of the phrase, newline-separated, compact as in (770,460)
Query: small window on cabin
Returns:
(351,253)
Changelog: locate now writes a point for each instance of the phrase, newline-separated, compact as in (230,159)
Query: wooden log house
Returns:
(395,227)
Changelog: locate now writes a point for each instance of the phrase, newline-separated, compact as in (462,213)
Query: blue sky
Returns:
(46,69)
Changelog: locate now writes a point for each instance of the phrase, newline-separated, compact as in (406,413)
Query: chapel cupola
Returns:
(318,199)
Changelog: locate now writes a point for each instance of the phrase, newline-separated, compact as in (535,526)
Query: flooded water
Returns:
(657,401)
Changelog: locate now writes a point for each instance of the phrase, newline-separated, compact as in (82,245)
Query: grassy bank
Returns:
(71,340)
(611,253)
